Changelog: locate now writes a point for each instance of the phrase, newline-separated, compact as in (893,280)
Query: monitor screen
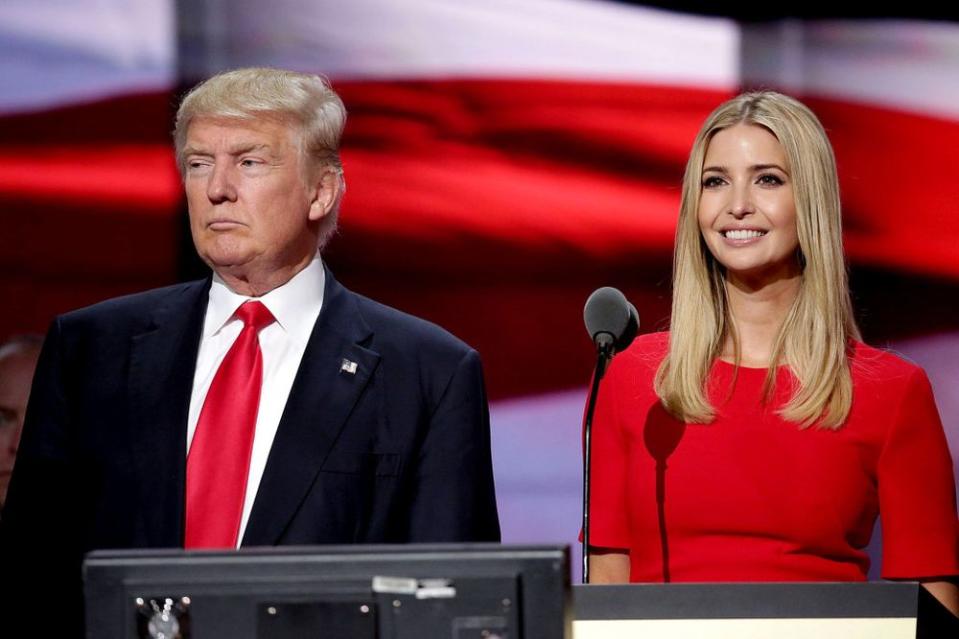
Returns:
(463,591)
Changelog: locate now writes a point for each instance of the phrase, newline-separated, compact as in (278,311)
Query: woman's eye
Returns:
(769,179)
(712,181)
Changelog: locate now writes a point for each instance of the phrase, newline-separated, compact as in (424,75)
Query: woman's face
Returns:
(747,213)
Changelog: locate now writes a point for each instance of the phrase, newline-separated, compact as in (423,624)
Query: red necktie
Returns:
(218,463)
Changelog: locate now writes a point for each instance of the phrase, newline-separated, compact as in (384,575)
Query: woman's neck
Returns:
(757,313)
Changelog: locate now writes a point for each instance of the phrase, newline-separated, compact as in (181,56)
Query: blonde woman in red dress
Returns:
(760,439)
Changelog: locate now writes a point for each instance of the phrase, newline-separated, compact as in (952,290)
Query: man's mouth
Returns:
(223,225)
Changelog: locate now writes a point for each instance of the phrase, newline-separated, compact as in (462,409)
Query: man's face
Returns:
(254,206)
(16,375)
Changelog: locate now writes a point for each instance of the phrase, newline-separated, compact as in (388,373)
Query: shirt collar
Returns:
(295,305)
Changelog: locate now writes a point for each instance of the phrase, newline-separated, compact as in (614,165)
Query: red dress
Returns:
(751,497)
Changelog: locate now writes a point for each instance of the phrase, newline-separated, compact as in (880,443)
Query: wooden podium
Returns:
(882,610)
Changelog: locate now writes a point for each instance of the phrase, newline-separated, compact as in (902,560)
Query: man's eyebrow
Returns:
(192,150)
(236,149)
(246,147)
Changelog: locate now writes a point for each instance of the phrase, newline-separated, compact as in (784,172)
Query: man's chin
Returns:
(230,261)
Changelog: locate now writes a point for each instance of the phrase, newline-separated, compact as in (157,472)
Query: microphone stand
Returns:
(605,350)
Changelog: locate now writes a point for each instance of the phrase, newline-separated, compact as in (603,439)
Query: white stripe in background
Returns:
(65,51)
(576,39)
(908,65)
(538,467)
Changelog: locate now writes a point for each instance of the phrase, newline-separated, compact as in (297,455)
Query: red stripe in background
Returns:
(141,118)
(594,167)
(589,166)
(900,196)
(89,200)
(492,207)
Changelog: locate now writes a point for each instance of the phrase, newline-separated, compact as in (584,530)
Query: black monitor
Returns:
(461,591)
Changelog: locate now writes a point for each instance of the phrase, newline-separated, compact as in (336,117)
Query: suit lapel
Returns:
(162,363)
(320,401)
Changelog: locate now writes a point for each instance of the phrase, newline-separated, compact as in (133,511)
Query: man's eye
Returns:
(6,417)
(248,162)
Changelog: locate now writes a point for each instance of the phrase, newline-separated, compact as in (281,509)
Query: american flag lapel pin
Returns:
(347,366)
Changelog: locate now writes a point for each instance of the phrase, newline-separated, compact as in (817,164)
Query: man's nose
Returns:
(221,187)
(14,444)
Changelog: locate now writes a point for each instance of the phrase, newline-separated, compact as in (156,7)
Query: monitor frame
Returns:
(526,590)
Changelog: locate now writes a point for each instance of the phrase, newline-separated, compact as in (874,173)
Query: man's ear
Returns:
(325,193)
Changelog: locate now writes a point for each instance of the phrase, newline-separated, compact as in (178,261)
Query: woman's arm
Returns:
(608,566)
(947,592)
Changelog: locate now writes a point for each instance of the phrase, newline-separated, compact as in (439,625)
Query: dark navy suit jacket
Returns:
(396,452)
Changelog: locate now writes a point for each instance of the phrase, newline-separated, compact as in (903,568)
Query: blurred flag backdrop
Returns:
(503,159)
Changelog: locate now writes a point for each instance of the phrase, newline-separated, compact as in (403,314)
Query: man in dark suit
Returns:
(265,405)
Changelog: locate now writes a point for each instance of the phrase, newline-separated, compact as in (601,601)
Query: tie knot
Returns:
(255,314)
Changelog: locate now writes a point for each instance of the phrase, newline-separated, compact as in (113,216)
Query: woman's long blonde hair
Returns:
(814,338)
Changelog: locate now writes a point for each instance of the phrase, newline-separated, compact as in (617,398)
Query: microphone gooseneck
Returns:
(612,323)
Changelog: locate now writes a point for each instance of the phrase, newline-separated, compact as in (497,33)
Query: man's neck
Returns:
(259,282)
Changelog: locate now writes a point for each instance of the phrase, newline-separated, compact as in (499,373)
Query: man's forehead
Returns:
(239,132)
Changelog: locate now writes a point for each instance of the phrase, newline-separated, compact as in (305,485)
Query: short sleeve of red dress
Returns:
(626,391)
(608,480)
(917,499)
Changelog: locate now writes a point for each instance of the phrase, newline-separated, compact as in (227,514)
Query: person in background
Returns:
(18,360)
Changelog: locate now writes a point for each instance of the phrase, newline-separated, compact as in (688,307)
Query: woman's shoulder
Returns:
(633,371)
(870,364)
(655,344)
(647,351)
(884,359)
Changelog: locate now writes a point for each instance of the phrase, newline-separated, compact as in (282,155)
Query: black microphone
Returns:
(612,323)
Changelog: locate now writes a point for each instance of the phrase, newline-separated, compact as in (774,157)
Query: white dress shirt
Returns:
(295,306)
